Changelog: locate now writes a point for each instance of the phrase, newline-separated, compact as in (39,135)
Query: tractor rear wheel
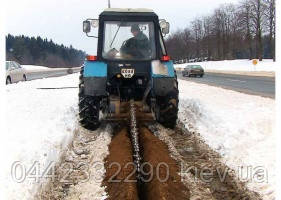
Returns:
(89,107)
(167,108)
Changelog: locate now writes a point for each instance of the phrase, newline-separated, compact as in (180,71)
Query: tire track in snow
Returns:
(80,171)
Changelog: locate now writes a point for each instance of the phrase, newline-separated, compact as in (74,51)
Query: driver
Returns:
(137,46)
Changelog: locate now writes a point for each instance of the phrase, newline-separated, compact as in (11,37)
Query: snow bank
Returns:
(35,67)
(235,65)
(40,123)
(237,125)
(98,150)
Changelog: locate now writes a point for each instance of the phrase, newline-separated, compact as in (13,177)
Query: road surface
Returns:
(255,85)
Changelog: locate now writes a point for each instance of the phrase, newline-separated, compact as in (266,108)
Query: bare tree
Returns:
(237,44)
(178,45)
(257,14)
(270,16)
(222,28)
(233,31)
(218,33)
(246,24)
(188,43)
(197,29)
(207,36)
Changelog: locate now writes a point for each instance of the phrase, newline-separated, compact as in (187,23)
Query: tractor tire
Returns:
(167,108)
(89,107)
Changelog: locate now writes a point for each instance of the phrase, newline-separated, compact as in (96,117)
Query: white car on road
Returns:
(14,72)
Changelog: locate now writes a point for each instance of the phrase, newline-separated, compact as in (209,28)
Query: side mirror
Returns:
(86,26)
(95,23)
(166,30)
(165,26)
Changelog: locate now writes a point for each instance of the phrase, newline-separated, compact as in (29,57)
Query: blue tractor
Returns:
(131,64)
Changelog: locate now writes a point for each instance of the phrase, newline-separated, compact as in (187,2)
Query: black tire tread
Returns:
(169,108)
(88,107)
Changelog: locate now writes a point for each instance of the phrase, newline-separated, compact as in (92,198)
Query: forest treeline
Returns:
(38,51)
(233,31)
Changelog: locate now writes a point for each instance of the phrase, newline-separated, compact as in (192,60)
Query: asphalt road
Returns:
(255,85)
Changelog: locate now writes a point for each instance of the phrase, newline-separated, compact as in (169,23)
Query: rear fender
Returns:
(163,77)
(95,77)
(162,69)
(95,69)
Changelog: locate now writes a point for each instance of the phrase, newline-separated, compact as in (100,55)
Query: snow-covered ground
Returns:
(238,126)
(40,124)
(35,67)
(38,72)
(235,65)
(41,68)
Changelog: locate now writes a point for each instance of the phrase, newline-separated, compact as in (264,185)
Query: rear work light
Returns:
(92,58)
(165,58)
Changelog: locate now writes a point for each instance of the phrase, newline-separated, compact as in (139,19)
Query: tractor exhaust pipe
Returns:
(109,4)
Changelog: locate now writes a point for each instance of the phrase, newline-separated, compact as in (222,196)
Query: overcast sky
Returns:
(61,20)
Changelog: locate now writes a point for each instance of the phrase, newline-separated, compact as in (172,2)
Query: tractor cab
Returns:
(129,34)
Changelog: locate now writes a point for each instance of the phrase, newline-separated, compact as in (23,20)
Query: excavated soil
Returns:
(156,153)
(120,179)
(159,172)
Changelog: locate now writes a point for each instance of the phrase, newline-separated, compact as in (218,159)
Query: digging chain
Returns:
(135,138)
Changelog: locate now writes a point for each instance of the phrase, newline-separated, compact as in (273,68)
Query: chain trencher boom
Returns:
(135,138)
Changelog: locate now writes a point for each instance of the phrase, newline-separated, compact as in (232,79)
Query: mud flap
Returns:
(163,86)
(95,86)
